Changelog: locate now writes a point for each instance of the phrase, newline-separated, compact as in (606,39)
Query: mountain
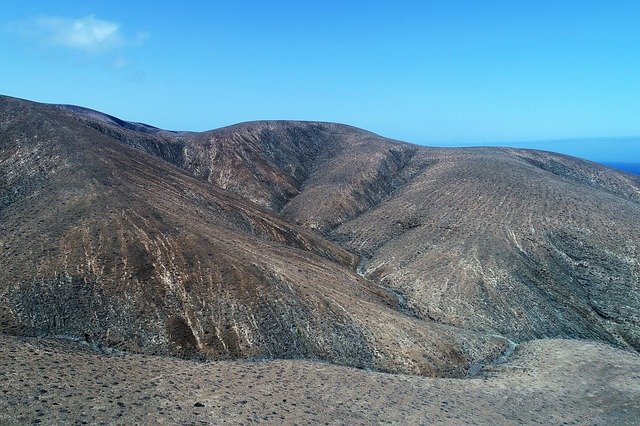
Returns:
(103,242)
(527,244)
(284,239)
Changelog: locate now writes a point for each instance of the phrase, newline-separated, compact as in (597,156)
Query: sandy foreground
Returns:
(545,381)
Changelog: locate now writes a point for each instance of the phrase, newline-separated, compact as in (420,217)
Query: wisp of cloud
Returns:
(88,34)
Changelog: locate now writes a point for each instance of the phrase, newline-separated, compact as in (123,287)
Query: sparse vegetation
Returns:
(316,241)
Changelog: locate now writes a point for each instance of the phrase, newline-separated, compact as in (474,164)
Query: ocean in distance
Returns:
(633,168)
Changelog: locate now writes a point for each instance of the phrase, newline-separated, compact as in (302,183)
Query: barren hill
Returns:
(306,239)
(105,243)
(527,244)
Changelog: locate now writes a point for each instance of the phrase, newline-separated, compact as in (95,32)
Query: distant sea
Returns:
(633,168)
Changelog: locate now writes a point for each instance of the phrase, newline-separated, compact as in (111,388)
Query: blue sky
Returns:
(430,72)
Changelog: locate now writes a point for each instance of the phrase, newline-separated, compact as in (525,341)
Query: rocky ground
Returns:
(544,381)
(337,254)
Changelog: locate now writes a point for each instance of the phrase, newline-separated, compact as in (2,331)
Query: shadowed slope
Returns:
(106,243)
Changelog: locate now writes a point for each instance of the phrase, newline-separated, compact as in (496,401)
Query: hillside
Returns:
(527,244)
(105,243)
(285,239)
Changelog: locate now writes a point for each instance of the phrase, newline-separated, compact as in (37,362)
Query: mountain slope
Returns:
(245,242)
(528,244)
(103,242)
(281,165)
(489,240)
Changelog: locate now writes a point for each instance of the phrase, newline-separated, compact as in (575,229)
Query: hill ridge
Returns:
(279,217)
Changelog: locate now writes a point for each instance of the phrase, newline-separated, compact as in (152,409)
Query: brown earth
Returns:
(317,241)
(545,382)
(103,242)
(527,244)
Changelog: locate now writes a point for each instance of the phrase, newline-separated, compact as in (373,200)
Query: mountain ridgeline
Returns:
(283,239)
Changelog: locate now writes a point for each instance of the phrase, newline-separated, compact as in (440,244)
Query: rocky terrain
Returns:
(527,244)
(313,241)
(544,382)
(105,243)
(522,243)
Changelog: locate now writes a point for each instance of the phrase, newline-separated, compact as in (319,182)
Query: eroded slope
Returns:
(103,242)
(524,243)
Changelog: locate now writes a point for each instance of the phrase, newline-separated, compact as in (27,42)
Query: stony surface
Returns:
(544,382)
(527,244)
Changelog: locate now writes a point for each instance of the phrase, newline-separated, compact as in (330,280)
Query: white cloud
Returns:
(87,34)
